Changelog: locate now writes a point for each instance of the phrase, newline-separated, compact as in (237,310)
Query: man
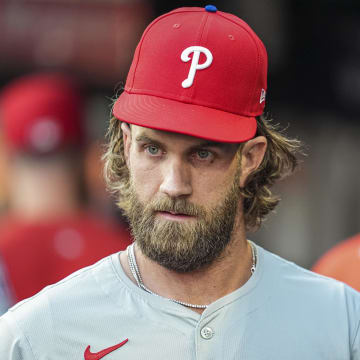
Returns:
(191,160)
(48,232)
(342,262)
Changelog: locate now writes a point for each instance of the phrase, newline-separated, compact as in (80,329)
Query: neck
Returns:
(203,286)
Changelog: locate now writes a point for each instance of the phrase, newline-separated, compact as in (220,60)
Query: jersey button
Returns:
(207,333)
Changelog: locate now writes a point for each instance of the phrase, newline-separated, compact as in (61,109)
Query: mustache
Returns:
(178,206)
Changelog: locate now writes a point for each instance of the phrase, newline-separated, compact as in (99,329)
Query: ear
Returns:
(127,140)
(251,157)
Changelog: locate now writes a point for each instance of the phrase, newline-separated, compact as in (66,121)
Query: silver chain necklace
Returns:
(137,276)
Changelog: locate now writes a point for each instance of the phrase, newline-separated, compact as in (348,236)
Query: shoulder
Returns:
(291,272)
(65,313)
(296,282)
(37,322)
(310,294)
(64,298)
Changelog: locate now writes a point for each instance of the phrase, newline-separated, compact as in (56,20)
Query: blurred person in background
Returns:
(3,187)
(99,200)
(6,298)
(342,262)
(47,233)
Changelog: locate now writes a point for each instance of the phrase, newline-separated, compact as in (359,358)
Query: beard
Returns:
(183,246)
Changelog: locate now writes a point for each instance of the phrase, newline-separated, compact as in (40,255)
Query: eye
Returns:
(203,154)
(152,149)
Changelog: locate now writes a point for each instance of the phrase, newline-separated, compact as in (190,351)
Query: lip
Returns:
(173,216)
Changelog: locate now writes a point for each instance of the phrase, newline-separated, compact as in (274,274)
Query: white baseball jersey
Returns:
(283,312)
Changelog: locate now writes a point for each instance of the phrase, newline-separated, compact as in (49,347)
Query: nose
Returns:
(176,179)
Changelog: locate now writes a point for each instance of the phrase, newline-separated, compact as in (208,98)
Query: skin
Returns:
(175,165)
(41,190)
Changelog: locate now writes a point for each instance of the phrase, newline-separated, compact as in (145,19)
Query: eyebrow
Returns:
(146,138)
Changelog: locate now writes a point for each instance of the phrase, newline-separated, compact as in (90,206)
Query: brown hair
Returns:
(279,161)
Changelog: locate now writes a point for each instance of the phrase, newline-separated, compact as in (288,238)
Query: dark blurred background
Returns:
(313,90)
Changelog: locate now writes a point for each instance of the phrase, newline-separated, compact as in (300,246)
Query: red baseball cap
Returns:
(41,113)
(199,72)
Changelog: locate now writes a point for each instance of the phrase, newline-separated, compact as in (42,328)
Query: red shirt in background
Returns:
(342,262)
(39,254)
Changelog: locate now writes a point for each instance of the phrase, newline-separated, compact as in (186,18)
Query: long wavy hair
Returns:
(279,161)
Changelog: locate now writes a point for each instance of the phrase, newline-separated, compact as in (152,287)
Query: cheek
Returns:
(211,189)
(145,179)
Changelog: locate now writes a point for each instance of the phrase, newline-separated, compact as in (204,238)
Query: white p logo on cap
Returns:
(195,62)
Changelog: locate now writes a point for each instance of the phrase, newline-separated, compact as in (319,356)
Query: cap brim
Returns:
(189,119)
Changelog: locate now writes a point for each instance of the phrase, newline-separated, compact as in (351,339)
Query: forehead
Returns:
(140,133)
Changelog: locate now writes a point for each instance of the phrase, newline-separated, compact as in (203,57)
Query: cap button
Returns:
(211,8)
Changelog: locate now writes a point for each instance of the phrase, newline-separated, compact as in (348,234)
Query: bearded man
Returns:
(191,159)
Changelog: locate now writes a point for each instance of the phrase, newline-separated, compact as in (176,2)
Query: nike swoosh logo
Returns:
(88,355)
